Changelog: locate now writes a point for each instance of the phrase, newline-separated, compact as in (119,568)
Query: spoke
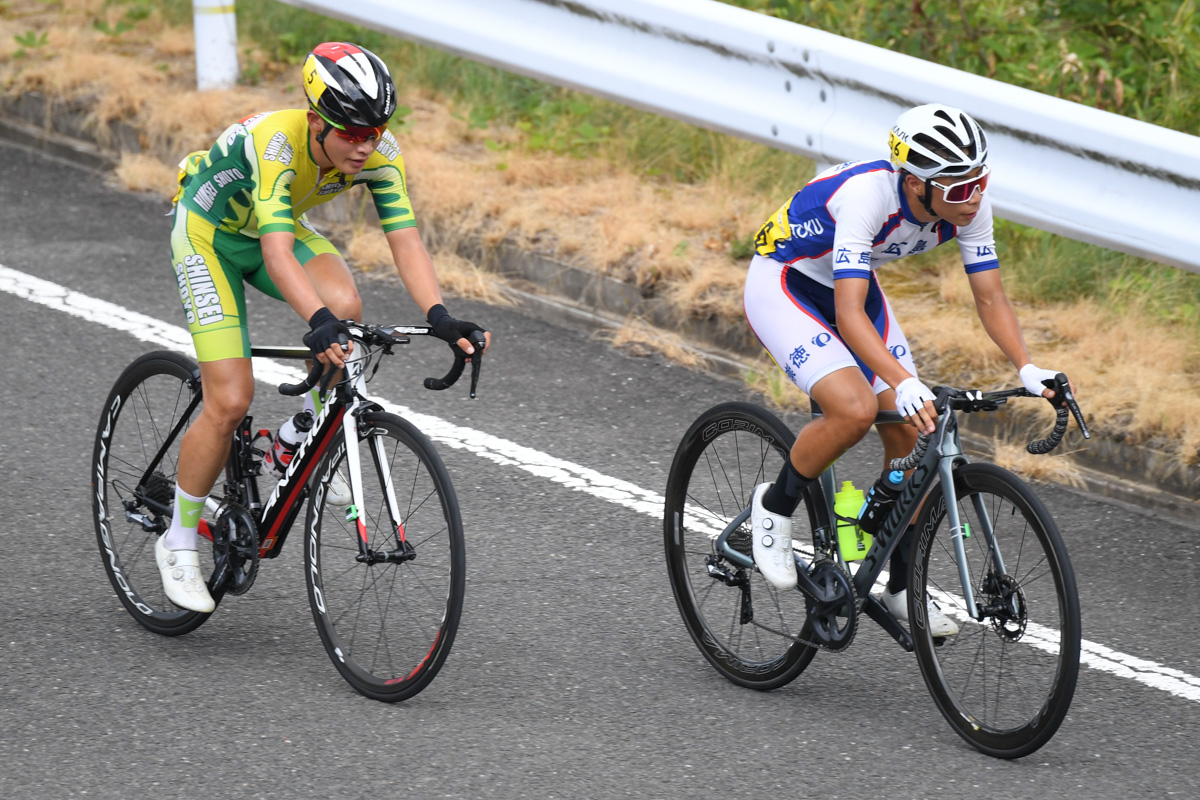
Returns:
(716,484)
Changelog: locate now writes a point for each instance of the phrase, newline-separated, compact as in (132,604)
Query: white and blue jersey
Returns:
(844,223)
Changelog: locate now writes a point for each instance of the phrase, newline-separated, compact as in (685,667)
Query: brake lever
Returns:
(1063,396)
(478,340)
(460,361)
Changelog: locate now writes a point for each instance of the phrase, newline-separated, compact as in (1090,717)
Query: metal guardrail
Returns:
(1056,165)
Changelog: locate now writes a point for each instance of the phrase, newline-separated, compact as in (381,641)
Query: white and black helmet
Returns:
(934,139)
(349,85)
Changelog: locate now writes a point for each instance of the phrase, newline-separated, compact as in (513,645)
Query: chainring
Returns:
(834,621)
(235,550)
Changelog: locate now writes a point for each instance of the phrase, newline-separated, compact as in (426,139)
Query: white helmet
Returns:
(934,139)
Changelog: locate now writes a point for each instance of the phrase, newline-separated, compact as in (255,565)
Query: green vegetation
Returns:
(1141,59)
(1137,58)
(29,41)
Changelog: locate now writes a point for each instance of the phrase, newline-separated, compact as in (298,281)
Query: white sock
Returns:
(185,522)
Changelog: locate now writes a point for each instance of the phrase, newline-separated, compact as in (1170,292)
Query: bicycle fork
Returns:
(403,551)
(951,454)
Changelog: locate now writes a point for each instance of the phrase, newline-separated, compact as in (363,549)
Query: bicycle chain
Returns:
(820,645)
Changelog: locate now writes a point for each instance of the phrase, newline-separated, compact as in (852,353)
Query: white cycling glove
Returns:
(911,395)
(1033,376)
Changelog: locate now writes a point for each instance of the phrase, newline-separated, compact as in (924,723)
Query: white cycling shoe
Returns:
(338,493)
(182,581)
(771,538)
(940,625)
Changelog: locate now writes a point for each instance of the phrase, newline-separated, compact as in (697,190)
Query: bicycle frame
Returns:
(938,460)
(338,416)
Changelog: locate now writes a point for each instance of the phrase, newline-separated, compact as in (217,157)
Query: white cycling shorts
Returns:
(793,317)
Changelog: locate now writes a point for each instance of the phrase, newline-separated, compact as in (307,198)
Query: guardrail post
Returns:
(215,23)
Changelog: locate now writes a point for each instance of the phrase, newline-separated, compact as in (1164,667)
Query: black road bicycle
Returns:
(385,574)
(986,550)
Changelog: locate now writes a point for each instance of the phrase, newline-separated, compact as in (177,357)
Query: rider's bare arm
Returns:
(997,315)
(287,274)
(416,270)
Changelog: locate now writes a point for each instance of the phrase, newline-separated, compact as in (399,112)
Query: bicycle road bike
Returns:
(385,574)
(985,549)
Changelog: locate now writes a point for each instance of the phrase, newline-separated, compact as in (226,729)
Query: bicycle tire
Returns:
(1032,625)
(726,452)
(387,657)
(143,407)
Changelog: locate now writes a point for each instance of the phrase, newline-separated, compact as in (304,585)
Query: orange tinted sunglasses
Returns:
(357,135)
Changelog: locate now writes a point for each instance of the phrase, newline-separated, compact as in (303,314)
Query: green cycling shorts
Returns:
(211,266)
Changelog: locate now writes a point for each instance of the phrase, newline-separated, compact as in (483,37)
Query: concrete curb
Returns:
(584,300)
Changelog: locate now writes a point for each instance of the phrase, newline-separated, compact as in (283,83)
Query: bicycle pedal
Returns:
(149,524)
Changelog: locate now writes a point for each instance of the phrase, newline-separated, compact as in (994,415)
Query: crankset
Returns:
(235,551)
(833,613)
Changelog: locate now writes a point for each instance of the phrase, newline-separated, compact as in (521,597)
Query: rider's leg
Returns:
(849,406)
(898,441)
(849,409)
(228,390)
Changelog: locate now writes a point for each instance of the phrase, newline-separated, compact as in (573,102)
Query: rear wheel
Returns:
(387,620)
(1004,682)
(151,405)
(729,450)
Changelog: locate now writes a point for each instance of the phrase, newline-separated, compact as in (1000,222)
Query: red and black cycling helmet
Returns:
(349,86)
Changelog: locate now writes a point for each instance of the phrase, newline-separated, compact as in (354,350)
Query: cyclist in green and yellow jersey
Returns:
(239,218)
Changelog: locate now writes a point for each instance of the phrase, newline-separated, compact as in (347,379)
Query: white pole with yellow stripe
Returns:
(215,24)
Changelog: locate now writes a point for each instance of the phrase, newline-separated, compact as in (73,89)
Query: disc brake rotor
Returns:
(1013,615)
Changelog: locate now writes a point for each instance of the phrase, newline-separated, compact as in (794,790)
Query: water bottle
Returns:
(880,499)
(291,433)
(851,540)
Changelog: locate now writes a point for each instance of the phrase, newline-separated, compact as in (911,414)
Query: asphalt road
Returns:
(572,674)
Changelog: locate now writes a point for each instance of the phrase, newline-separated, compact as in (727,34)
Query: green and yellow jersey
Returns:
(260,177)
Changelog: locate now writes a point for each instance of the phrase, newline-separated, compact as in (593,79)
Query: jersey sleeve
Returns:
(270,152)
(859,210)
(977,241)
(384,176)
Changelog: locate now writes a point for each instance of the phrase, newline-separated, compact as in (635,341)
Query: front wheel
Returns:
(145,416)
(1003,682)
(388,617)
(730,449)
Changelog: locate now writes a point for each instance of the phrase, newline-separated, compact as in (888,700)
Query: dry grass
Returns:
(368,250)
(1054,468)
(638,338)
(137,172)
(1138,379)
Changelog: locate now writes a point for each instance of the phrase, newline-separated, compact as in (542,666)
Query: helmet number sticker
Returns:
(898,147)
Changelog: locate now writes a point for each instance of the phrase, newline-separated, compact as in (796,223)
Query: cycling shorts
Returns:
(793,317)
(211,266)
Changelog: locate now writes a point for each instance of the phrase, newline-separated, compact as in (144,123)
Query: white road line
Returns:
(501,451)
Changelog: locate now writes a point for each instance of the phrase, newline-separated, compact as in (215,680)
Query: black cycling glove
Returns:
(449,329)
(327,330)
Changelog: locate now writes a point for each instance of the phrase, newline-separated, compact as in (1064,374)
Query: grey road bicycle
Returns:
(385,574)
(986,550)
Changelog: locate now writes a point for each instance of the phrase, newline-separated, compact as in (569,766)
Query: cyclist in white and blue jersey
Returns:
(813,300)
